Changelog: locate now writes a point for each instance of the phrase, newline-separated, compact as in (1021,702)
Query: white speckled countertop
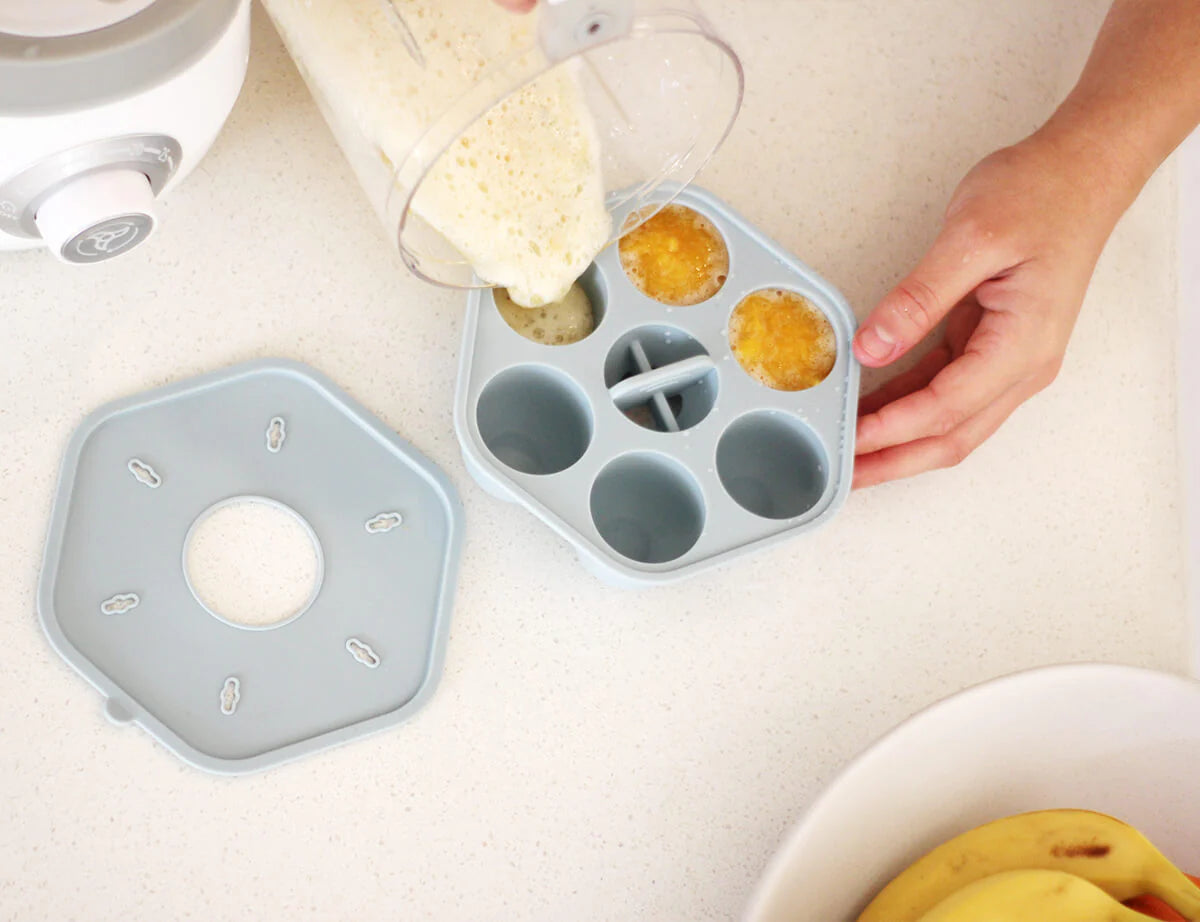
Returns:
(593,754)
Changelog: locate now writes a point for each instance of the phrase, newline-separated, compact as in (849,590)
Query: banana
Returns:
(1110,854)
(1031,896)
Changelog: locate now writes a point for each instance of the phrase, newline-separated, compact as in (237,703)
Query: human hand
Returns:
(518,6)
(1008,272)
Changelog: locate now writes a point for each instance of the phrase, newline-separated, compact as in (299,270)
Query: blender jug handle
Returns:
(567,27)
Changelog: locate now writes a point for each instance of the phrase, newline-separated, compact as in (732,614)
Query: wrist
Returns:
(1113,151)
(1107,154)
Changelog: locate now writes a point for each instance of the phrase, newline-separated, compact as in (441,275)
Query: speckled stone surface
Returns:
(594,754)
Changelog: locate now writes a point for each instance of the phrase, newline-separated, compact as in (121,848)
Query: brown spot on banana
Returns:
(1080,851)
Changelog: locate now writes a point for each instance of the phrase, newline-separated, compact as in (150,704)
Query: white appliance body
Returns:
(91,133)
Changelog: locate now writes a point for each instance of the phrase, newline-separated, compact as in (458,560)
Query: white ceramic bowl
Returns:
(1116,739)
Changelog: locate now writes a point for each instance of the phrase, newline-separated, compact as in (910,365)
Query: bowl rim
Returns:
(777,868)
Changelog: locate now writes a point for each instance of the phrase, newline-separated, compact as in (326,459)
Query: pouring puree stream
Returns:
(520,194)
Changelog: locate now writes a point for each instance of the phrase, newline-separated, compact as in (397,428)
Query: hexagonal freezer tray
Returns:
(646,444)
(116,603)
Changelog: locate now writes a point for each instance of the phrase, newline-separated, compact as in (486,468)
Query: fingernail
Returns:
(875,343)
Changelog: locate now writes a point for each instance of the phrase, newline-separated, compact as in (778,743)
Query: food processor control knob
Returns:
(98,215)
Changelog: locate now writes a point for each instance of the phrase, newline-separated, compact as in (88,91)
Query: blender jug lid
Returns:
(38,19)
(662,88)
(71,54)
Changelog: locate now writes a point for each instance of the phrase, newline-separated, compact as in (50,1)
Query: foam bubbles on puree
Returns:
(557,324)
(782,339)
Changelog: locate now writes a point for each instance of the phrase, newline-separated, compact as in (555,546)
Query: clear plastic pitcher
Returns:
(496,147)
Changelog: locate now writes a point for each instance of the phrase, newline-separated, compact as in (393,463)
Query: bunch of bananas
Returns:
(1049,866)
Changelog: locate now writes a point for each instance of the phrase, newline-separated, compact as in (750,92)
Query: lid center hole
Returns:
(252,562)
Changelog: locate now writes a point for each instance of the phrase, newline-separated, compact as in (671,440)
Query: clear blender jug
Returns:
(496,147)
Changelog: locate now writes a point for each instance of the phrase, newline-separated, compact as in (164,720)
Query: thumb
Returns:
(954,266)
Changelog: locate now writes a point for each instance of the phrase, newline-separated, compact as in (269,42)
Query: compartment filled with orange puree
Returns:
(677,256)
(782,339)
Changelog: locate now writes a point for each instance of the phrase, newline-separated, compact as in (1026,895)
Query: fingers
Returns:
(904,384)
(960,327)
(958,392)
(900,461)
(957,262)
(518,6)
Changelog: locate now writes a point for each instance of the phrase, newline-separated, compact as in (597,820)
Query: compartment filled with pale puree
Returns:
(520,194)
(559,323)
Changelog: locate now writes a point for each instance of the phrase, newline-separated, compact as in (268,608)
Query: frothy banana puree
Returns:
(520,194)
(557,324)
